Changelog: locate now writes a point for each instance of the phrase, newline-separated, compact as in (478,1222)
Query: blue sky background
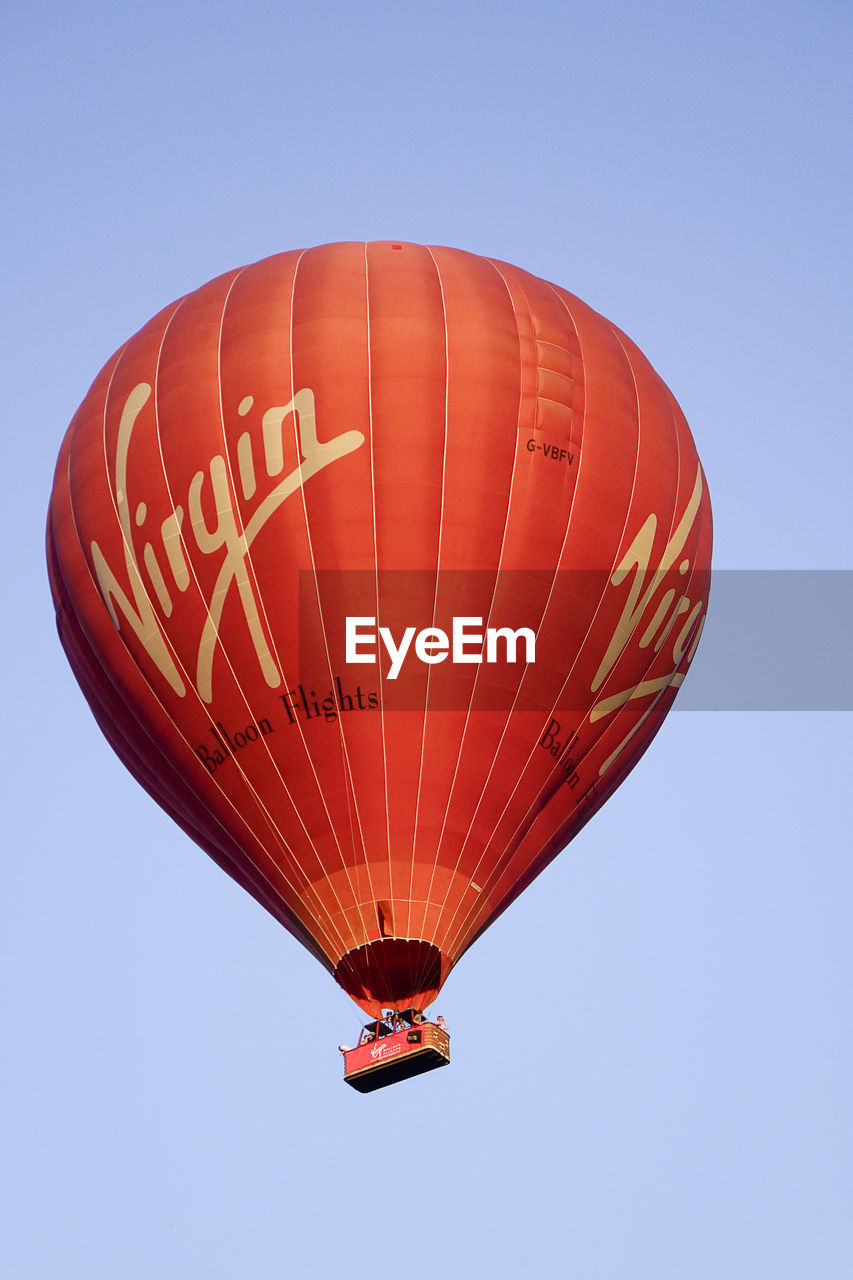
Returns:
(652,1049)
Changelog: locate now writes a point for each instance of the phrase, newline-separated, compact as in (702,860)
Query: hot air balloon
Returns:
(380,566)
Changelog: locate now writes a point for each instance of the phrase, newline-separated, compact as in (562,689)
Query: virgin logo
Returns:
(227,538)
(676,619)
(385,1051)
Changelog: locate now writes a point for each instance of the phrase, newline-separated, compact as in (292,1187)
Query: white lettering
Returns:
(432,645)
(511,638)
(354,639)
(396,652)
(461,637)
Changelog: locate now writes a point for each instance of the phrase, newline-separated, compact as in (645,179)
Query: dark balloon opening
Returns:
(403,973)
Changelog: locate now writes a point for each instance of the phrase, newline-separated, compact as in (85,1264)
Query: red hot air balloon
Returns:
(380,566)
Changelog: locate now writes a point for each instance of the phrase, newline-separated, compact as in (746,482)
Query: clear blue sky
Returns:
(652,1049)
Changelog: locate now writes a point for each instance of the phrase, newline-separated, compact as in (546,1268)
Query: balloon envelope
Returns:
(380,566)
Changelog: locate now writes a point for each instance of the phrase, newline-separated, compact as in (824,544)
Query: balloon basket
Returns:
(403,1046)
